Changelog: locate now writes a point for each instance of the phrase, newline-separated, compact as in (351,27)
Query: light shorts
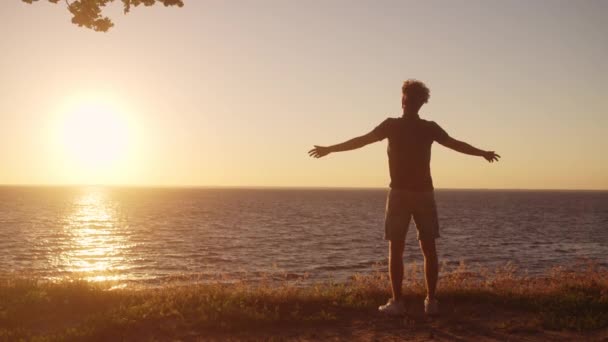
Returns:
(401,205)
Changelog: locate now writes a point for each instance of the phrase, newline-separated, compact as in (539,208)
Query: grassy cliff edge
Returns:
(573,299)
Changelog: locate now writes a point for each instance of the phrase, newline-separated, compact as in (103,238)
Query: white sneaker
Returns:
(431,307)
(392,308)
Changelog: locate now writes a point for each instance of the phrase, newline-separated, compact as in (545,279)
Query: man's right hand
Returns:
(490,156)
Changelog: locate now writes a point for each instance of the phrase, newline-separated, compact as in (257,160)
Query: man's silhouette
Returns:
(411,188)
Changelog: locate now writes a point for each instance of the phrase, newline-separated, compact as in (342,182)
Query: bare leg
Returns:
(395,269)
(430,266)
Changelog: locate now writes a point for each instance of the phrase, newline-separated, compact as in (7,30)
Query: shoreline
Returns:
(413,270)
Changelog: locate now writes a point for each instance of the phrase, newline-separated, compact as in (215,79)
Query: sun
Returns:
(95,139)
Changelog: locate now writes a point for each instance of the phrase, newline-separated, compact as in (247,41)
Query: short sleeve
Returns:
(382,130)
(439,135)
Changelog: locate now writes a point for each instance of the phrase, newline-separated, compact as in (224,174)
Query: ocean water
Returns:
(148,236)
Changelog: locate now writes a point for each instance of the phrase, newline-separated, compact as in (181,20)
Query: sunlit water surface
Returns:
(151,236)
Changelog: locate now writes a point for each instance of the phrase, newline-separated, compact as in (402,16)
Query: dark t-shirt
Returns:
(409,151)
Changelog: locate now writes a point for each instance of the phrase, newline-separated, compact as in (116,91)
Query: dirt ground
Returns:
(456,323)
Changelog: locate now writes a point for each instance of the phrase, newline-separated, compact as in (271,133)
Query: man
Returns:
(411,188)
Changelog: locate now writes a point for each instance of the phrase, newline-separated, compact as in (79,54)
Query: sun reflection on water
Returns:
(96,250)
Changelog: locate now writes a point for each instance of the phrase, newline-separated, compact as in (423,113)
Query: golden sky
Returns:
(232,93)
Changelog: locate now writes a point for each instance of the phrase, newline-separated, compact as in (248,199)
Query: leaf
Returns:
(88,13)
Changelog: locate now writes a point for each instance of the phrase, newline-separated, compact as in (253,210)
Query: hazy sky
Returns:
(236,92)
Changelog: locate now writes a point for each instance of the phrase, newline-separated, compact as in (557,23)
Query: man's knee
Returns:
(396,249)
(429,249)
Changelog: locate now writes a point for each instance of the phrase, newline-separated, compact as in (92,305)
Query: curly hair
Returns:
(416,91)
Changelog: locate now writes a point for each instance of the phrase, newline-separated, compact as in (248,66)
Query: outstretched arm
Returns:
(352,144)
(465,148)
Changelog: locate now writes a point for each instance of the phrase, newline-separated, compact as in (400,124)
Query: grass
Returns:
(574,299)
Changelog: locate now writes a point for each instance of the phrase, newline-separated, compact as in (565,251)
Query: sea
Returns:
(136,236)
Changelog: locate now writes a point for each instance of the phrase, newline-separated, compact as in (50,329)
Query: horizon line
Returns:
(285,187)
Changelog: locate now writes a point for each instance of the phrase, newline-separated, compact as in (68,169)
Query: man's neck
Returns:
(410,114)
